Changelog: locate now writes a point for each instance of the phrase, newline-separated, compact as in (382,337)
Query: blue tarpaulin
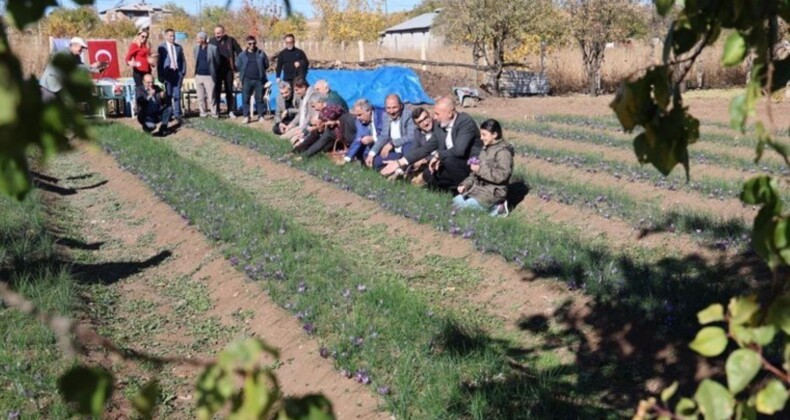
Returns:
(373,85)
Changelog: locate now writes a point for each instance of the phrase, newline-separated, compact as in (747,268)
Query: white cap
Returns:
(80,41)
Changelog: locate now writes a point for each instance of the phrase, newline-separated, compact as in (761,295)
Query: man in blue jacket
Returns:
(171,69)
(252,64)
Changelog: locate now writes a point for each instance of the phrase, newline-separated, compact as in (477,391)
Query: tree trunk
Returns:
(592,56)
(499,60)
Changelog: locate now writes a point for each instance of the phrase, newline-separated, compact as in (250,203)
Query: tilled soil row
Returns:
(230,292)
(699,149)
(503,288)
(619,234)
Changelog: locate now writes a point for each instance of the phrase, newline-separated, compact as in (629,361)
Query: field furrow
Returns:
(367,323)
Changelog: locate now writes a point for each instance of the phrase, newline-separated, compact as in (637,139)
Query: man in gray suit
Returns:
(171,69)
(52,80)
(455,138)
(206,65)
(396,134)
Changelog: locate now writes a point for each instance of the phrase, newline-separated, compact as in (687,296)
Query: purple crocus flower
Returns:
(474,160)
(361,288)
(323,352)
(309,328)
(302,287)
(233,261)
(345,373)
(346,293)
(384,390)
(362,377)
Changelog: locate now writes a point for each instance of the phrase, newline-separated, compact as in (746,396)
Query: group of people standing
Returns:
(217,60)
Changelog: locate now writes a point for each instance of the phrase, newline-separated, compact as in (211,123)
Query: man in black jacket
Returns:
(153,107)
(228,49)
(291,61)
(455,138)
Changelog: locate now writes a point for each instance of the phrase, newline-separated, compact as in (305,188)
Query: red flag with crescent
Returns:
(104,50)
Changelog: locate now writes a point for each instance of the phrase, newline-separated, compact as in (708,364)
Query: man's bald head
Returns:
(444,111)
(322,86)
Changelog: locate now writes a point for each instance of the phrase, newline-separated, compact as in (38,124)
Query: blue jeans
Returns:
(379,162)
(357,150)
(173,81)
(251,87)
(462,202)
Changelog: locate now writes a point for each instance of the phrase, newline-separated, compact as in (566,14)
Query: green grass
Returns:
(638,281)
(611,124)
(438,363)
(30,361)
(618,141)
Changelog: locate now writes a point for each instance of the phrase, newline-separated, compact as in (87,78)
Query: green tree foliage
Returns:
(295,24)
(119,29)
(493,27)
(357,21)
(594,23)
(65,22)
(757,324)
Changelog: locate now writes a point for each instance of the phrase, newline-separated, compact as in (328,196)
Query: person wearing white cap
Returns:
(51,81)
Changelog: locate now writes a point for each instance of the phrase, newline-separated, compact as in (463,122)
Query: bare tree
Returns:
(491,26)
(594,23)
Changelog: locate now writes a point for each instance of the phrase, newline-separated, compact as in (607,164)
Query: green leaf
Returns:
(734,50)
(245,354)
(669,391)
(213,390)
(29,11)
(713,313)
(664,6)
(714,401)
(14,174)
(781,239)
(742,308)
(772,398)
(761,189)
(88,388)
(686,408)
(779,313)
(710,341)
(145,399)
(745,411)
(741,367)
(256,399)
(309,407)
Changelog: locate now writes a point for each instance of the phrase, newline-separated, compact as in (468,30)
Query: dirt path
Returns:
(155,300)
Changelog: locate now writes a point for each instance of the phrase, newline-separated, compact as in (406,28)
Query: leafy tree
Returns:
(64,22)
(295,24)
(493,27)
(119,29)
(357,21)
(214,15)
(179,23)
(593,23)
(757,326)
(175,9)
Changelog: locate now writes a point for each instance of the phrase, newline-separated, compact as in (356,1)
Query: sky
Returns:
(192,6)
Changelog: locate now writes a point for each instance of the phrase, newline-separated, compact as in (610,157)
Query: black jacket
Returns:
(285,64)
(228,49)
(466,141)
(420,147)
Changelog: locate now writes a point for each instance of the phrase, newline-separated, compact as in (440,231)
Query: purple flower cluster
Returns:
(474,160)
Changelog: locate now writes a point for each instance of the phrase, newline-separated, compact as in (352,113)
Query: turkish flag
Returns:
(104,50)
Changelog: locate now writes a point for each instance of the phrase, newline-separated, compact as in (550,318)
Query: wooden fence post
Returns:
(423,55)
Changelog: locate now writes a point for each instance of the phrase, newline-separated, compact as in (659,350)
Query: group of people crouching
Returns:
(445,151)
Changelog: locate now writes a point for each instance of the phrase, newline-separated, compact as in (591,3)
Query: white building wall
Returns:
(409,40)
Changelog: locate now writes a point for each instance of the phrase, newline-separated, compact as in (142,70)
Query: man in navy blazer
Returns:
(171,68)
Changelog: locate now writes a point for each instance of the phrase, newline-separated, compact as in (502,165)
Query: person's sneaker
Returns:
(500,210)
(231,114)
(203,115)
(245,120)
